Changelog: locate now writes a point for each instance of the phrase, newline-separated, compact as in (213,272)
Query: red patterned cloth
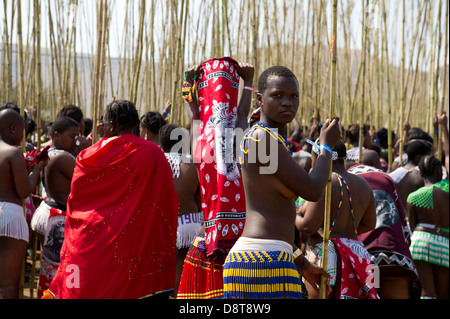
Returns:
(357,278)
(121,223)
(53,230)
(223,199)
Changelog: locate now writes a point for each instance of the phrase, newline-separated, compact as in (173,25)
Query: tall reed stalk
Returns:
(444,80)
(363,88)
(333,79)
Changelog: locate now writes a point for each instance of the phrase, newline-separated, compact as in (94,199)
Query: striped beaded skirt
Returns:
(202,275)
(430,248)
(261,275)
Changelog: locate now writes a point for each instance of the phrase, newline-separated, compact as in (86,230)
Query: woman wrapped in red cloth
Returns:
(121,224)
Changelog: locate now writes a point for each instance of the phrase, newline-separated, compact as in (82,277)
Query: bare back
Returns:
(58,176)
(187,187)
(410,183)
(13,172)
(438,215)
(363,205)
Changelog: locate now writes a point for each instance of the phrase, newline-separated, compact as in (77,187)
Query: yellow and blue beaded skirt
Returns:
(261,275)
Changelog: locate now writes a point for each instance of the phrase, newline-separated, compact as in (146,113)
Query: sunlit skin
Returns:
(270,198)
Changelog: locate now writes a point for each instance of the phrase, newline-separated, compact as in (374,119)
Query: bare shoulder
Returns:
(255,135)
(440,195)
(255,139)
(62,157)
(359,183)
(188,166)
(62,161)
(415,178)
(10,152)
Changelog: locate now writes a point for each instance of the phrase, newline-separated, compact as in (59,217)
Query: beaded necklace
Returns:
(342,181)
(423,197)
(282,139)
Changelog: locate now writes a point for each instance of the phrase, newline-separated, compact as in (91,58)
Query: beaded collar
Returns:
(423,197)
(282,139)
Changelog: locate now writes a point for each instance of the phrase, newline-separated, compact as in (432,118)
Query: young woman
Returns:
(261,263)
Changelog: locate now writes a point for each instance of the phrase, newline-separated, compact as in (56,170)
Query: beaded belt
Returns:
(433,229)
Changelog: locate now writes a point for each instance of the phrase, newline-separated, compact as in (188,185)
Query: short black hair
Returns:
(340,149)
(417,133)
(165,137)
(72,111)
(31,127)
(10,105)
(278,70)
(352,133)
(15,107)
(88,125)
(153,121)
(418,147)
(382,136)
(428,164)
(123,113)
(62,124)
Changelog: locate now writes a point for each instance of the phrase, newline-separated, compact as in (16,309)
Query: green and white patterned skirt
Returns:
(430,248)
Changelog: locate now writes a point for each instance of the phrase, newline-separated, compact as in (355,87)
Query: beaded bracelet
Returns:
(326,148)
(250,89)
(297,253)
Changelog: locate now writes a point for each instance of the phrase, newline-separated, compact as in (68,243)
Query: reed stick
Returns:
(363,88)
(388,88)
(402,84)
(22,113)
(435,95)
(333,78)
(138,55)
(100,69)
(444,81)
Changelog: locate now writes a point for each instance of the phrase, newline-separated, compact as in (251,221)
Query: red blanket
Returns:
(121,224)
(357,277)
(223,199)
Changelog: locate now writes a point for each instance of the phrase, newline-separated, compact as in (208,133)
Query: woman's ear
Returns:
(259,100)
(12,128)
